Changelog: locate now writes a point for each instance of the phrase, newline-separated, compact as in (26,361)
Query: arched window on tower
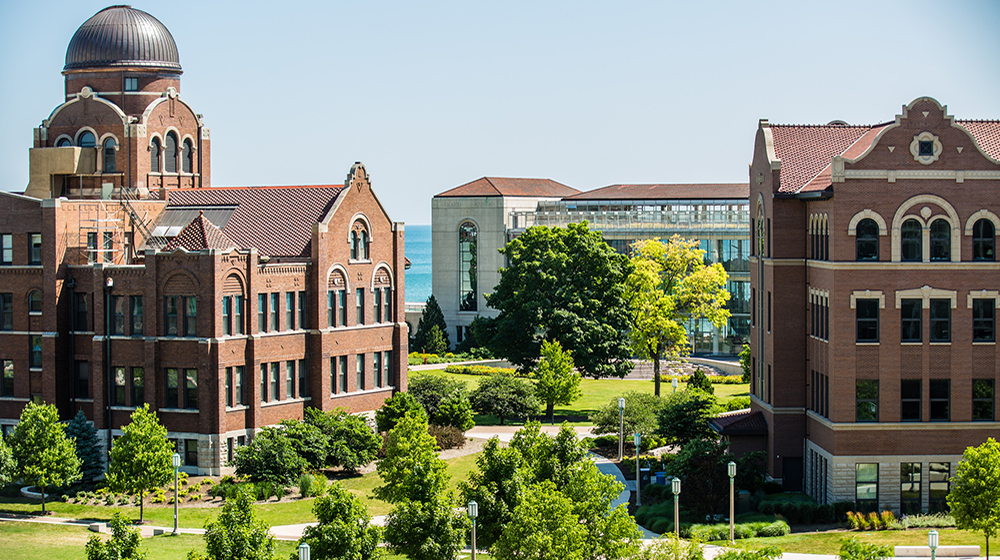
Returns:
(984,241)
(171,153)
(363,245)
(187,157)
(911,242)
(110,165)
(87,140)
(354,245)
(867,240)
(940,240)
(154,155)
(63,143)
(468,267)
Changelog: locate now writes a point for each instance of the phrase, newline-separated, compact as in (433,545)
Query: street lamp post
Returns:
(673,383)
(932,541)
(638,471)
(732,500)
(177,464)
(675,486)
(304,551)
(109,284)
(473,514)
(621,427)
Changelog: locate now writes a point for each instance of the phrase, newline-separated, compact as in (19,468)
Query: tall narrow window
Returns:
(303,380)
(910,327)
(866,486)
(909,488)
(911,241)
(867,240)
(387,307)
(227,315)
(34,248)
(290,379)
(170,313)
(81,312)
(984,241)
(331,309)
(191,316)
(867,320)
(238,315)
(343,373)
(354,245)
(108,246)
(275,383)
(290,311)
(363,245)
(263,382)
(187,157)
(303,323)
(387,368)
(360,308)
(191,388)
(35,347)
(910,405)
(91,247)
(138,386)
(81,376)
(172,381)
(135,315)
(938,477)
(275,325)
(154,155)
(867,400)
(984,320)
(229,386)
(377,369)
(110,164)
(983,397)
(7,387)
(6,249)
(118,315)
(238,384)
(377,305)
(940,397)
(342,307)
(170,153)
(6,312)
(940,240)
(940,320)
(361,372)
(468,267)
(35,301)
(262,312)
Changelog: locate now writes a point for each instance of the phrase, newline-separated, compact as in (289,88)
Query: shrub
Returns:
(394,409)
(777,529)
(481,370)
(305,484)
(927,520)
(662,525)
(886,520)
(771,487)
(504,396)
(320,485)
(445,400)
(194,497)
(208,482)
(738,403)
(81,495)
(448,437)
(700,381)
(766,553)
(841,509)
(853,549)
(270,456)
(639,415)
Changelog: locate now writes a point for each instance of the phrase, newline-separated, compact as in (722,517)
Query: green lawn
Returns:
(596,393)
(829,543)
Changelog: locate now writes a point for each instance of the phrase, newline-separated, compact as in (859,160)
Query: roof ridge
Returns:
(190,189)
(488,180)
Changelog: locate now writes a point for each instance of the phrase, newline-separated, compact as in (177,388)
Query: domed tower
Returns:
(123,129)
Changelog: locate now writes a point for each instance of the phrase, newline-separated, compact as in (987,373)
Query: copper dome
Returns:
(121,36)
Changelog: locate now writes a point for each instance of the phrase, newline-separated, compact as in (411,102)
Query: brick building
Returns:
(874,289)
(125,278)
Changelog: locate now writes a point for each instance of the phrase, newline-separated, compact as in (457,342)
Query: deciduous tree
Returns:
(411,469)
(238,534)
(123,544)
(44,455)
(430,529)
(684,416)
(344,531)
(555,380)
(394,409)
(141,459)
(669,285)
(563,284)
(350,441)
(504,396)
(497,485)
(8,466)
(543,527)
(975,490)
(270,457)
(445,400)
(640,414)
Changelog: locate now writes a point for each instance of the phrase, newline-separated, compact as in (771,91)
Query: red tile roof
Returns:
(277,221)
(507,186)
(200,234)
(666,192)
(987,135)
(739,422)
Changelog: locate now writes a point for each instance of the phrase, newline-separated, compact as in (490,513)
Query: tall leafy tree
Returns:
(543,526)
(141,457)
(88,447)
(555,380)
(344,531)
(270,457)
(411,469)
(237,534)
(44,455)
(563,284)
(504,396)
(431,529)
(350,441)
(123,544)
(639,415)
(8,466)
(497,485)
(394,409)
(975,490)
(669,285)
(684,416)
(432,316)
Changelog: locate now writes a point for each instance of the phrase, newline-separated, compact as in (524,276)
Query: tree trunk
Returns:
(656,374)
(140,508)
(550,411)
(501,420)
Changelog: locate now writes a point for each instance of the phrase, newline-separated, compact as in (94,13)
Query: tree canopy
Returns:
(432,316)
(238,534)
(411,469)
(269,457)
(141,459)
(344,531)
(123,544)
(639,415)
(504,396)
(669,285)
(975,490)
(563,284)
(44,455)
(684,416)
(555,380)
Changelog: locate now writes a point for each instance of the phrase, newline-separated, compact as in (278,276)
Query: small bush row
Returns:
(872,521)
(926,520)
(473,369)
(660,519)
(260,490)
(715,379)
(806,512)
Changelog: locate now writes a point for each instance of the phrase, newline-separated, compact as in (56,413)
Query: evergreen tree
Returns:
(88,448)
(432,316)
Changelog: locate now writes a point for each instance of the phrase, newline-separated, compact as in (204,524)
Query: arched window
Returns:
(940,240)
(63,143)
(154,155)
(354,244)
(187,157)
(363,245)
(171,153)
(468,267)
(984,241)
(35,302)
(87,140)
(867,240)
(110,165)
(911,242)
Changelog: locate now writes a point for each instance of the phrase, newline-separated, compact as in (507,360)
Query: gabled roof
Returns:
(739,422)
(666,192)
(507,186)
(277,221)
(200,234)
(986,133)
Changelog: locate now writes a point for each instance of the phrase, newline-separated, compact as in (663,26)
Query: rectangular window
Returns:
(108,245)
(387,307)
(984,320)
(768,311)
(170,313)
(227,315)
(361,372)
(191,452)
(81,373)
(303,380)
(118,391)
(6,249)
(81,312)
(91,247)
(909,488)
(138,386)
(290,379)
(34,248)
(263,382)
(867,400)
(135,315)
(131,84)
(982,399)
(7,388)
(343,373)
(229,386)
(910,406)
(229,450)
(940,397)
(275,325)
(342,307)
(331,309)
(238,396)
(753,307)
(35,348)
(290,311)
(940,320)
(387,367)
(360,312)
(866,487)
(377,368)
(377,305)
(867,318)
(6,312)
(191,316)
(118,315)
(275,381)
(938,477)
(910,327)
(333,375)
(172,381)
(191,388)
(238,315)
(262,312)
(303,323)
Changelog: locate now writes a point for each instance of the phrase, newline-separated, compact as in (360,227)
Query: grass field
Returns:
(596,393)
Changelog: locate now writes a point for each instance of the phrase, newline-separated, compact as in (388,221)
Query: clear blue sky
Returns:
(430,95)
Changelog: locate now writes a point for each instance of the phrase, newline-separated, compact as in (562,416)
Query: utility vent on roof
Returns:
(837,123)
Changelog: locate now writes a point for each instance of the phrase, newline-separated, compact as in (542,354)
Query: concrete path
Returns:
(505,433)
(607,467)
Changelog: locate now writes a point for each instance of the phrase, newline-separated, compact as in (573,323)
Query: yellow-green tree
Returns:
(669,285)
(975,491)
(555,380)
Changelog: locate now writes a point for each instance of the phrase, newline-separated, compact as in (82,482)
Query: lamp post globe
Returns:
(304,551)
(621,427)
(473,510)
(732,501)
(673,384)
(675,486)
(932,542)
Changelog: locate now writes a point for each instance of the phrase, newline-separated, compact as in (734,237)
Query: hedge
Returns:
(480,370)
(715,379)
(659,518)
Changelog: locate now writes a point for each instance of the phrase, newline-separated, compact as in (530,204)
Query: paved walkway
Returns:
(505,433)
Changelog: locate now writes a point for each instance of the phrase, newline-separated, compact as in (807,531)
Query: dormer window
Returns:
(131,84)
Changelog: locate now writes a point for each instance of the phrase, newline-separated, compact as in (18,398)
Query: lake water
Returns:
(418,250)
